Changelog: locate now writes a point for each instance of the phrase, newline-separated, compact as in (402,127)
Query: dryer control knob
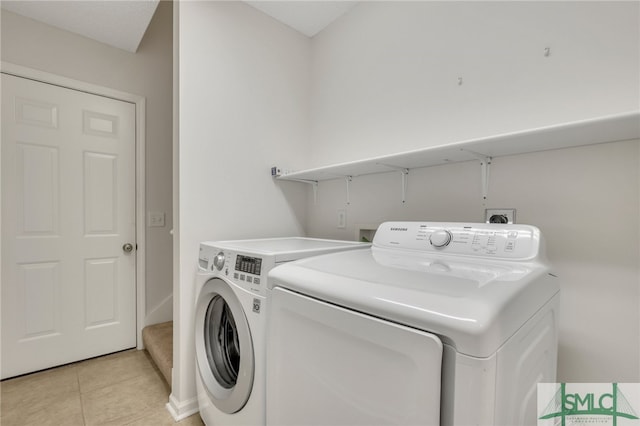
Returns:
(218,261)
(440,238)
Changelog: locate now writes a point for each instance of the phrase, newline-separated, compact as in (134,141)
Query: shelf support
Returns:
(315,192)
(485,163)
(405,181)
(348,179)
(314,185)
(405,178)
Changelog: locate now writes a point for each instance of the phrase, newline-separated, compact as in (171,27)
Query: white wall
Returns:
(385,76)
(385,80)
(244,91)
(147,73)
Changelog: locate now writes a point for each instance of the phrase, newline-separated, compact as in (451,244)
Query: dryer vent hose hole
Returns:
(499,218)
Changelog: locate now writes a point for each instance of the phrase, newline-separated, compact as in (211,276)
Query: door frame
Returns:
(140,204)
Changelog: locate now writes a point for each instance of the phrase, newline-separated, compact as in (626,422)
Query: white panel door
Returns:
(68,208)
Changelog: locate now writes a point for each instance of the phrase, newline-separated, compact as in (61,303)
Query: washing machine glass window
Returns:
(221,342)
(224,349)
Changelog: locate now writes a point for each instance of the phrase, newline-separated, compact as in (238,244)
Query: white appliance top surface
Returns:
(288,248)
(474,300)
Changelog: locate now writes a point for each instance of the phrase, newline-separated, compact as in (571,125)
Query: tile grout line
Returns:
(84,418)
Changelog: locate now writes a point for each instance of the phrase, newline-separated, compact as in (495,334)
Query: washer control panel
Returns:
(468,239)
(245,270)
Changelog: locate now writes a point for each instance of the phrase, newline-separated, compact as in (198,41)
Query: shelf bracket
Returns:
(348,179)
(405,178)
(485,163)
(405,181)
(314,185)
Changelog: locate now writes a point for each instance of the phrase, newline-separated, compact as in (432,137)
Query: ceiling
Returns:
(307,17)
(122,24)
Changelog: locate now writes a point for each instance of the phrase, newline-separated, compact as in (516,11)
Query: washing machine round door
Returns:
(224,350)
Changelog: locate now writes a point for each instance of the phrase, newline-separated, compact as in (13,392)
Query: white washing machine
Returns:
(436,324)
(230,322)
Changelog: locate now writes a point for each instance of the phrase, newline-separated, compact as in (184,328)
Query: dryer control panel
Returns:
(517,242)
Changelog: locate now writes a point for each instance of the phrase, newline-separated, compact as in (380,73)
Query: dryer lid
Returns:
(473,304)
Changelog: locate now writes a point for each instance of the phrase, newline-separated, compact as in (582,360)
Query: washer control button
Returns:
(218,261)
(440,238)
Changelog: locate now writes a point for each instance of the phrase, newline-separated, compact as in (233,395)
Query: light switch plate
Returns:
(156,219)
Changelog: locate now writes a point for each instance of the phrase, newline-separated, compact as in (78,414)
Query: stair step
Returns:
(158,341)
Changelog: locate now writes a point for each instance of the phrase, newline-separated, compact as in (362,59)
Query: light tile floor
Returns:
(124,388)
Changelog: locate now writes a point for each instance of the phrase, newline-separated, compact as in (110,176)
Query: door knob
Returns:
(127,248)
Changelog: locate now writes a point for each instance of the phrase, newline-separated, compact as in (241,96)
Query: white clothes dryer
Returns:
(230,322)
(436,324)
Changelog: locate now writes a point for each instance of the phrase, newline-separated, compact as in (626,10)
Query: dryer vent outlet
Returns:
(500,216)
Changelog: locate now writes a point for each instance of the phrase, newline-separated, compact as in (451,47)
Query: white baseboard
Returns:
(180,410)
(161,313)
